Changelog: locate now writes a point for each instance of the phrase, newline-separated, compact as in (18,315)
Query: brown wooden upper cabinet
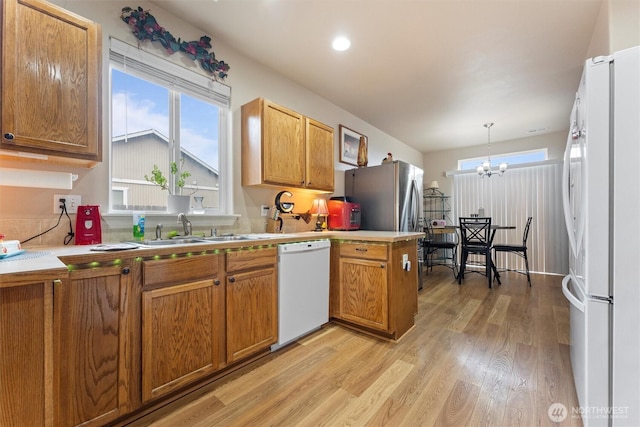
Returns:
(283,148)
(51,83)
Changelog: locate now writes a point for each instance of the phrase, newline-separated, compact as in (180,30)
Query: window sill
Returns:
(124,220)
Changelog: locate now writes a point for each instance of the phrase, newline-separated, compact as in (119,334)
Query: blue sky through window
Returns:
(138,105)
(510,159)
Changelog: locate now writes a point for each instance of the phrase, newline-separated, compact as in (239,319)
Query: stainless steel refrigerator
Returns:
(390,196)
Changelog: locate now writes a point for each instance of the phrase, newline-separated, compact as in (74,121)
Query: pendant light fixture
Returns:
(485,169)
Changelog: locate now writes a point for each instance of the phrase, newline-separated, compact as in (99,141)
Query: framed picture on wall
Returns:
(349,143)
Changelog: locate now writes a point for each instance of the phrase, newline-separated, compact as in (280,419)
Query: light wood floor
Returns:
(477,357)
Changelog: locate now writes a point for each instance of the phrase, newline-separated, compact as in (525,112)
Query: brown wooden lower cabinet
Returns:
(370,288)
(182,323)
(90,357)
(252,302)
(180,329)
(26,319)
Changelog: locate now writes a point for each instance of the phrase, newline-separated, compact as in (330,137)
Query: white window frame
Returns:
(161,71)
(499,158)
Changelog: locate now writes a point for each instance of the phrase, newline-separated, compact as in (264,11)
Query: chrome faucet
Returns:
(158,231)
(185,223)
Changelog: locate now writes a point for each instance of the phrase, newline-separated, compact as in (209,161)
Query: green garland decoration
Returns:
(145,27)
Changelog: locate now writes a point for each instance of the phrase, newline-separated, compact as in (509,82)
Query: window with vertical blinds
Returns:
(509,200)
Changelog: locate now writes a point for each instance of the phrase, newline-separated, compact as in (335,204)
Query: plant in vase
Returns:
(157,176)
(176,202)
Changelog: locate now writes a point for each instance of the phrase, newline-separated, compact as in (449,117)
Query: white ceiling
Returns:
(427,72)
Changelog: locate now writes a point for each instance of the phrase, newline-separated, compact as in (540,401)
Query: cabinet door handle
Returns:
(362,249)
(216,282)
(381,265)
(8,136)
(126,270)
(232,279)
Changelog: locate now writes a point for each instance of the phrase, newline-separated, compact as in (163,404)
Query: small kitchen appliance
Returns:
(88,229)
(344,214)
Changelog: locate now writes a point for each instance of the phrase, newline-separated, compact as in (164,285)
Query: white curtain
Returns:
(509,200)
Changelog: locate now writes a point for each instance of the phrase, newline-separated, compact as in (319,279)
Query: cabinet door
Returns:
(363,292)
(319,156)
(26,354)
(51,68)
(181,326)
(283,146)
(91,346)
(252,312)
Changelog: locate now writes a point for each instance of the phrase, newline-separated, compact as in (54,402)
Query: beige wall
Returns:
(624,24)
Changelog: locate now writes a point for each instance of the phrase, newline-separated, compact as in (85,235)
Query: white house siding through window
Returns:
(522,192)
(141,151)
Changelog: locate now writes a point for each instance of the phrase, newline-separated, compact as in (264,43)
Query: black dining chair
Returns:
(475,237)
(441,249)
(520,250)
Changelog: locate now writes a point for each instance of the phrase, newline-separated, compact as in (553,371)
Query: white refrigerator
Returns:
(601,188)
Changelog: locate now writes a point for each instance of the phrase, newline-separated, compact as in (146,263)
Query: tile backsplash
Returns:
(23,229)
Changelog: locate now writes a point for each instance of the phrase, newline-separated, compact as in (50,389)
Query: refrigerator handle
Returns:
(569,295)
(415,206)
(565,197)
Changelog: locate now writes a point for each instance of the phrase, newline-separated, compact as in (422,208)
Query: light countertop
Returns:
(49,258)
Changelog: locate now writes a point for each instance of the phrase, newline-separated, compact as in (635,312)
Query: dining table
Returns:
(448,229)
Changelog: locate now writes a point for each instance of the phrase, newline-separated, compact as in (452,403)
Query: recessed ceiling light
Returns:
(341,43)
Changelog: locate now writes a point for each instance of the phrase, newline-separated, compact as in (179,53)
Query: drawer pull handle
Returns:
(8,136)
(362,249)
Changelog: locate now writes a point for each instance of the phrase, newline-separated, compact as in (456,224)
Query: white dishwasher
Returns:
(303,289)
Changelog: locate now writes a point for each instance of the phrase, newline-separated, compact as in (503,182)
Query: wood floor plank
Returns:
(367,404)
(430,402)
(459,405)
(561,317)
(477,356)
(522,395)
(464,316)
(491,405)
(499,311)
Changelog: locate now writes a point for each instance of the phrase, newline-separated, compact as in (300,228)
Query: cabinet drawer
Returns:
(364,250)
(246,259)
(186,269)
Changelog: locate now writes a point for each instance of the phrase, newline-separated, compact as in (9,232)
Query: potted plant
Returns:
(176,202)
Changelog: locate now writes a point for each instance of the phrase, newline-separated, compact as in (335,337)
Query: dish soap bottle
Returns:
(138,225)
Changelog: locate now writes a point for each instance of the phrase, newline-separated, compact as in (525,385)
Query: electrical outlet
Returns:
(72,201)
(264,210)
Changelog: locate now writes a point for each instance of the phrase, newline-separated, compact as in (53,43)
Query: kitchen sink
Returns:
(166,242)
(226,238)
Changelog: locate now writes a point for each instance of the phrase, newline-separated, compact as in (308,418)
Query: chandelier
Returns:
(485,169)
